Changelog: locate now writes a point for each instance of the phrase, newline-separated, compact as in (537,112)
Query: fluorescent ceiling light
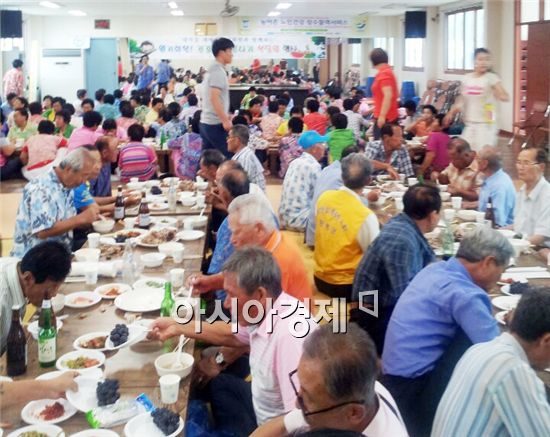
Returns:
(283,5)
(77,13)
(173,5)
(50,5)
(274,14)
(177,13)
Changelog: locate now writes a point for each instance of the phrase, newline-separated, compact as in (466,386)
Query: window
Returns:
(387,45)
(206,29)
(465,33)
(529,10)
(414,50)
(547,9)
(356,53)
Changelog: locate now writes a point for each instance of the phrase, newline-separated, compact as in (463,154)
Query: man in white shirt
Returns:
(336,388)
(355,120)
(532,214)
(237,143)
(271,323)
(80,96)
(36,277)
(494,389)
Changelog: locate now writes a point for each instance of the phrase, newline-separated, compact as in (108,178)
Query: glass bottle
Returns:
(119,204)
(16,349)
(490,213)
(144,217)
(47,338)
(168,302)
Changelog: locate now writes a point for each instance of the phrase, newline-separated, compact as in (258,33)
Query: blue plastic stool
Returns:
(370,81)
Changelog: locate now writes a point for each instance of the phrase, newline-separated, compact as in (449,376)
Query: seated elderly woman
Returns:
(126,118)
(42,151)
(186,150)
(137,160)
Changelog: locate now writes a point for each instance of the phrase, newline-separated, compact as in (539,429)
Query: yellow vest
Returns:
(339,216)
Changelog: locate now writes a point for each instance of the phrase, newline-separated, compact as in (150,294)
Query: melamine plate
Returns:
(85,398)
(140,242)
(95,433)
(61,362)
(44,428)
(164,221)
(33,327)
(467,215)
(158,206)
(92,373)
(136,333)
(30,412)
(189,235)
(139,302)
(143,425)
(506,303)
(91,297)
(154,282)
(122,288)
(89,336)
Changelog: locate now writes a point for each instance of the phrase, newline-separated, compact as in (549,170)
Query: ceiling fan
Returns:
(228,10)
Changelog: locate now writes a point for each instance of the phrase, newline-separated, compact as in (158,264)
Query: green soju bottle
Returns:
(47,338)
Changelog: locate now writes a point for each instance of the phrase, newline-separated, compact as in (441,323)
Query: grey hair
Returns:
(492,155)
(483,242)
(460,145)
(356,171)
(253,208)
(76,160)
(349,362)
(241,132)
(255,267)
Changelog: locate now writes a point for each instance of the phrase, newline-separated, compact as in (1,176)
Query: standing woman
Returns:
(145,74)
(384,91)
(479,91)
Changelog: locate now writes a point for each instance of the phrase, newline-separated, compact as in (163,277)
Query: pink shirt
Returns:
(42,149)
(125,122)
(82,136)
(437,143)
(14,82)
(120,133)
(274,353)
(269,125)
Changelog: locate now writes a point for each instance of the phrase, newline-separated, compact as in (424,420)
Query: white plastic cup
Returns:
(402,177)
(456,202)
(412,181)
(169,388)
(188,224)
(480,218)
(201,200)
(134,180)
(93,240)
(449,215)
(176,277)
(399,204)
(129,222)
(177,255)
(90,273)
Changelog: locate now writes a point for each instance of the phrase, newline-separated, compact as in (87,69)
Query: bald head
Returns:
(460,145)
(490,155)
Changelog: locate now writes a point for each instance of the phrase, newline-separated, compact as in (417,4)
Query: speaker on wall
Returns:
(415,24)
(11,24)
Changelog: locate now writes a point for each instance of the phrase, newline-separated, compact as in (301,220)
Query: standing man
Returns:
(215,121)
(163,73)
(14,81)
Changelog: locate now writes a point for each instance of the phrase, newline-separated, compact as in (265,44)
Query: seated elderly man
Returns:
(336,388)
(251,222)
(494,389)
(209,162)
(394,259)
(462,175)
(100,186)
(237,143)
(238,406)
(47,210)
(329,179)
(532,216)
(30,280)
(497,187)
(444,310)
(389,155)
(345,228)
(300,180)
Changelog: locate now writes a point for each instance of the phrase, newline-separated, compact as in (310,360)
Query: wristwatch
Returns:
(220,359)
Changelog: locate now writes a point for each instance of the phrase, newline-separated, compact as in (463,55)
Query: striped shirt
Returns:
(493,392)
(136,160)
(251,166)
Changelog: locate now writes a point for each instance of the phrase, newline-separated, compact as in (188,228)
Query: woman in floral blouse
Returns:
(289,149)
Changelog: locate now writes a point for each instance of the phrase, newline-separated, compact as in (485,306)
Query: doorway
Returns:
(101,65)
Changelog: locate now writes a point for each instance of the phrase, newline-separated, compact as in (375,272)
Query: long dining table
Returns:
(132,366)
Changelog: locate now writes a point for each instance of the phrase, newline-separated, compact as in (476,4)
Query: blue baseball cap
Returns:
(310,138)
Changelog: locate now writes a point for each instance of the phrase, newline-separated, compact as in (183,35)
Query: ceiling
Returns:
(258,8)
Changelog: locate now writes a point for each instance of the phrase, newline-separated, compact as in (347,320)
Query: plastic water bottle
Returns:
(172,196)
(448,239)
(129,266)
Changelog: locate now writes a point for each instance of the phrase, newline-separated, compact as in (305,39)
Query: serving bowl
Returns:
(163,364)
(103,226)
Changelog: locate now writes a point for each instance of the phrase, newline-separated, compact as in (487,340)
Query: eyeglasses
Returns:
(324,410)
(526,163)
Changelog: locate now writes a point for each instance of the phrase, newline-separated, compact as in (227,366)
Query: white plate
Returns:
(139,302)
(30,412)
(61,361)
(92,373)
(122,288)
(158,206)
(164,221)
(500,317)
(95,433)
(136,333)
(86,337)
(142,283)
(505,303)
(143,425)
(189,235)
(45,428)
(108,241)
(33,327)
(93,297)
(155,245)
(5,379)
(85,398)
(467,215)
